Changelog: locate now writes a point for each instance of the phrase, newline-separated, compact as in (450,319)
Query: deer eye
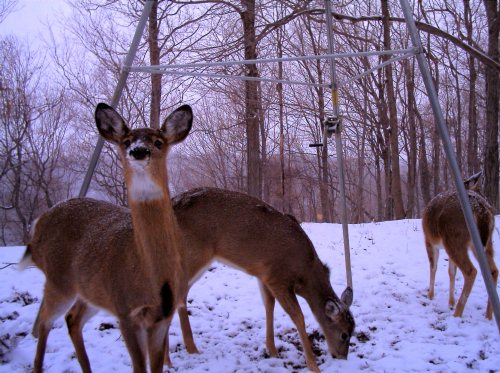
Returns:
(158,144)
(126,143)
(344,337)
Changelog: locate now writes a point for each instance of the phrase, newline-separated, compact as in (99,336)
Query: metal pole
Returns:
(118,92)
(160,69)
(445,138)
(157,70)
(338,144)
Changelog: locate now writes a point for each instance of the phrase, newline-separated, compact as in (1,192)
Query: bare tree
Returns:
(382,127)
(7,7)
(33,138)
(492,79)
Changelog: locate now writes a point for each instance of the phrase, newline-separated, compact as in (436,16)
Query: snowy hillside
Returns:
(397,328)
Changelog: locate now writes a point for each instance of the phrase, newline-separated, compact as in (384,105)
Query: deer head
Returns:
(144,150)
(339,324)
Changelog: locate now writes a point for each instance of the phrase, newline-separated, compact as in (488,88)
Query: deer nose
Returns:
(139,153)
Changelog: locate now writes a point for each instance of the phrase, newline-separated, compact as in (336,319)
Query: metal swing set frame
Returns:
(332,125)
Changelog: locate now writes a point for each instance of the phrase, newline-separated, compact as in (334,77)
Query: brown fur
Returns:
(132,269)
(236,229)
(244,232)
(444,225)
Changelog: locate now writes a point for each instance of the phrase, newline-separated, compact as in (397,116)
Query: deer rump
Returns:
(445,227)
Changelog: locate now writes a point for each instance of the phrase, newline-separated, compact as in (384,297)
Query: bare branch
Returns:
(425,27)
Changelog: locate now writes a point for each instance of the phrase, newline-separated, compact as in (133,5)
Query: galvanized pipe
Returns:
(118,93)
(160,69)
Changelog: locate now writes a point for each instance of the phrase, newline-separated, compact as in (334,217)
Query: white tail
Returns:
(444,226)
(92,257)
(240,230)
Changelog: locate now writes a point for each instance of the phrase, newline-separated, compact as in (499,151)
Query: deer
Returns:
(248,234)
(238,230)
(444,225)
(134,270)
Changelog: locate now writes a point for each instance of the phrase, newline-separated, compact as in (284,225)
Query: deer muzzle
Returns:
(139,153)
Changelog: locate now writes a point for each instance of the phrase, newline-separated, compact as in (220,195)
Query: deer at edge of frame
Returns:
(444,225)
(137,276)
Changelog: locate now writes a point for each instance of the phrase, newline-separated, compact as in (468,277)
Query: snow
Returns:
(397,328)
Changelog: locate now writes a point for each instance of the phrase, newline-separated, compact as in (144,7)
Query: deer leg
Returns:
(187,333)
(166,355)
(433,255)
(51,308)
(158,345)
(269,302)
(494,274)
(136,344)
(36,324)
(460,257)
(76,317)
(452,272)
(288,301)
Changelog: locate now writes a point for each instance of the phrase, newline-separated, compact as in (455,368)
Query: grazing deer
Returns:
(132,268)
(444,225)
(248,234)
(233,228)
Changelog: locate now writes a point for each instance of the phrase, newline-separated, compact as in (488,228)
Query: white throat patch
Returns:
(142,187)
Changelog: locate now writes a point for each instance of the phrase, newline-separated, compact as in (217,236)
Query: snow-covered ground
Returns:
(397,328)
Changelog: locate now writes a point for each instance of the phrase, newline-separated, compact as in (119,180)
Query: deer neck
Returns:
(156,231)
(317,290)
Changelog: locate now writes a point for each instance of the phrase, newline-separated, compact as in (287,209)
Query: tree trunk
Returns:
(279,89)
(457,117)
(472,147)
(491,162)
(397,195)
(325,215)
(382,152)
(323,159)
(378,185)
(436,144)
(412,138)
(425,174)
(154,59)
(252,101)
(359,212)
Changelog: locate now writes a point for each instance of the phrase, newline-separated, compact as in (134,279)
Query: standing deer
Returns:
(132,268)
(237,229)
(444,225)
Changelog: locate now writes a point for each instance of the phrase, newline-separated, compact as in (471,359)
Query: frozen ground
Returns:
(397,328)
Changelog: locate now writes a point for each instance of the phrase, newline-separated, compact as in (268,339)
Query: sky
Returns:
(398,329)
(31,19)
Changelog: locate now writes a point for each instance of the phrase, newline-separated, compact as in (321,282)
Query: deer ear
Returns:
(178,124)
(110,124)
(473,182)
(331,308)
(347,296)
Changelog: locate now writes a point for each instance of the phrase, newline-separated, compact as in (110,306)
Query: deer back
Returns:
(443,217)
(244,232)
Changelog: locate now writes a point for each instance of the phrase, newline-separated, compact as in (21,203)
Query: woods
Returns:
(254,136)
